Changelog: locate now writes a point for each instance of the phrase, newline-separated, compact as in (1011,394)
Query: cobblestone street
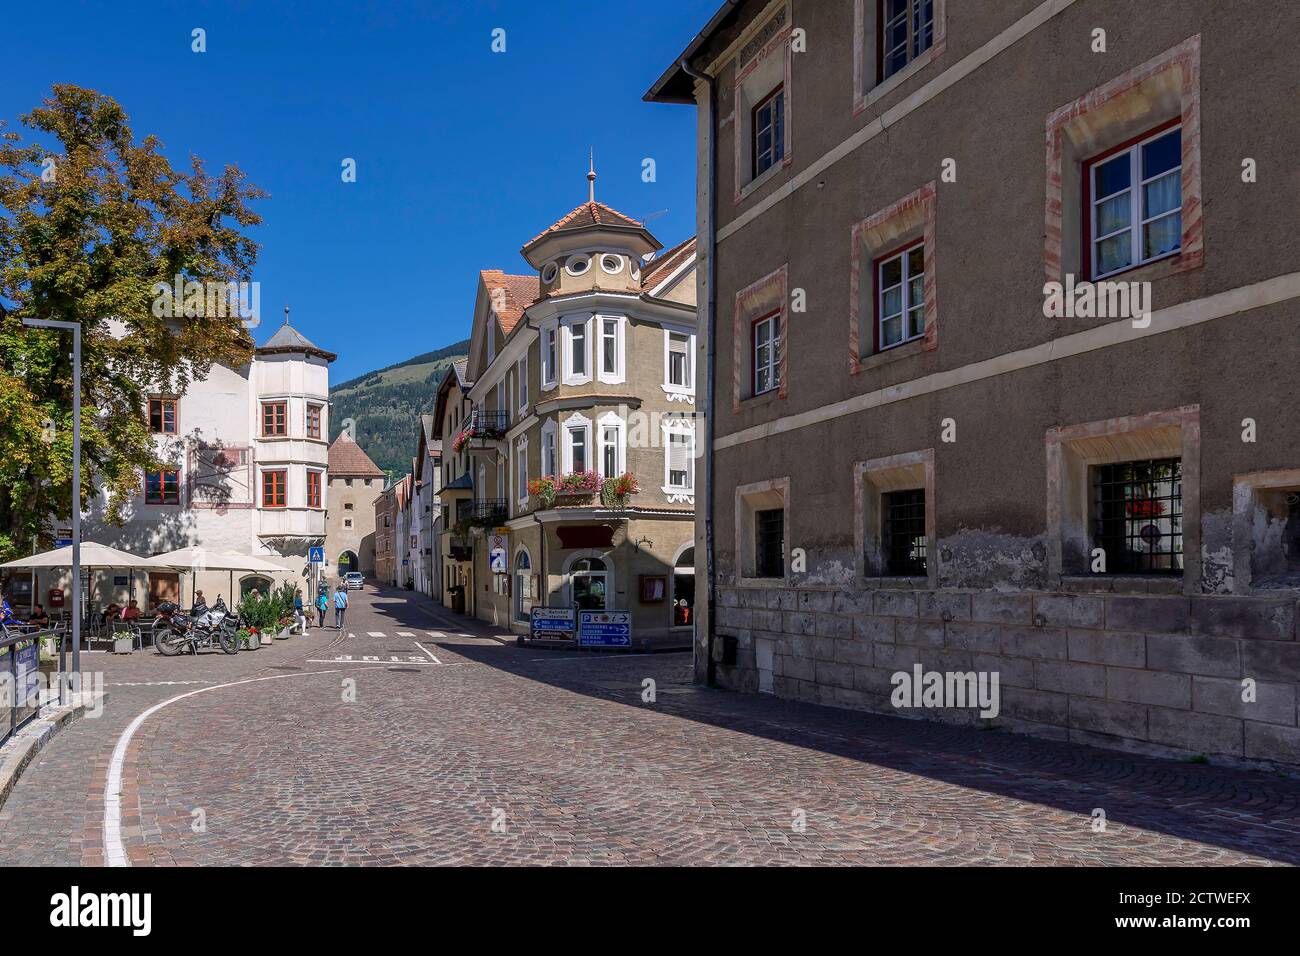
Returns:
(462,749)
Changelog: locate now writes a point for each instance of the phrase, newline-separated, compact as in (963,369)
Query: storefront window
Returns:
(589,578)
(684,589)
(523,586)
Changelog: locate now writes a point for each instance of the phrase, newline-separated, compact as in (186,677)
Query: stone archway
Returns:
(348,561)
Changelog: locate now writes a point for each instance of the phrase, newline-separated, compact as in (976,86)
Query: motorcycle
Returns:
(175,631)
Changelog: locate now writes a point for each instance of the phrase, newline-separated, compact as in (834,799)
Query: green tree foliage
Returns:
(90,221)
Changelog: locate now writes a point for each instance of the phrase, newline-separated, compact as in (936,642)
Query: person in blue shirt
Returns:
(340,607)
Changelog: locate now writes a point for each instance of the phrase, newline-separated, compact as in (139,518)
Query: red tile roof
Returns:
(664,264)
(590,213)
(347,460)
(517,293)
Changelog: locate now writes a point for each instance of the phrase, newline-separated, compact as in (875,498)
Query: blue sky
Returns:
(462,154)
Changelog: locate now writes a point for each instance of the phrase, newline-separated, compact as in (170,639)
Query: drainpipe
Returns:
(710,331)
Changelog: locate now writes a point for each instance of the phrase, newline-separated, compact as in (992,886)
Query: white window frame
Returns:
(503,476)
(572,423)
(669,386)
(521,471)
(611,420)
(549,354)
(773,352)
(567,325)
(905,281)
(608,574)
(548,449)
(519,591)
(1136,222)
(503,398)
(521,376)
(617,376)
(679,426)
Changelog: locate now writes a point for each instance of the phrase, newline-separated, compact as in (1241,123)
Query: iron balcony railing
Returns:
(494,510)
(487,424)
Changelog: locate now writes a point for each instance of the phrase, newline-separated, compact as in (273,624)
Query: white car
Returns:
(353,580)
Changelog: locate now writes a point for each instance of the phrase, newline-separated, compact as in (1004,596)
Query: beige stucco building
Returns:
(585,366)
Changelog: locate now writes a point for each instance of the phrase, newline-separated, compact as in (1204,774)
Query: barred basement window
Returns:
(903,530)
(1138,509)
(769,543)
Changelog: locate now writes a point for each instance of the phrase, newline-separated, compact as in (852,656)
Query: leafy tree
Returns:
(90,222)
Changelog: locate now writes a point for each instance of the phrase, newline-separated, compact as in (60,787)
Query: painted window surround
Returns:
(680,393)
(758,299)
(756,78)
(912,217)
(1165,87)
(866,53)
(871,479)
(750,498)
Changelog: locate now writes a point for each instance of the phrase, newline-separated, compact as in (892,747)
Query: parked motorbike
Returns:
(175,631)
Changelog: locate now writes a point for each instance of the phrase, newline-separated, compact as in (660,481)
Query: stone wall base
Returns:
(1161,674)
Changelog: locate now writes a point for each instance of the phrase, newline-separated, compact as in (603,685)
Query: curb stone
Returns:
(21,749)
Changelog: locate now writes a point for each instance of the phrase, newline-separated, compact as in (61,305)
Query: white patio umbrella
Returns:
(196,558)
(93,557)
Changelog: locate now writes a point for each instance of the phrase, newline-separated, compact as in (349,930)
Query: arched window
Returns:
(684,589)
(589,584)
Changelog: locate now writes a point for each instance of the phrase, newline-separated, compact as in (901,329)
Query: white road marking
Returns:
(347,659)
(114,852)
(375,634)
(406,634)
(427,651)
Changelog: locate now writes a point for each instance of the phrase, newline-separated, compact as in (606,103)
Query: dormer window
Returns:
(549,272)
(577,265)
(611,264)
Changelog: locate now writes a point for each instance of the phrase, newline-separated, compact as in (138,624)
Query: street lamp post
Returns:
(75,329)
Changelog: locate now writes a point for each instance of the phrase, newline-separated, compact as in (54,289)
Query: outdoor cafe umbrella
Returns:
(93,557)
(204,559)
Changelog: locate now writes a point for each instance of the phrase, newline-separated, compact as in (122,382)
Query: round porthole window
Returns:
(549,272)
(611,264)
(577,265)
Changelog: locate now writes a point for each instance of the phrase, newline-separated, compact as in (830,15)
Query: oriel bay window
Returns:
(769,131)
(273,489)
(767,353)
(906,31)
(1138,516)
(313,490)
(1134,202)
(162,488)
(275,419)
(900,297)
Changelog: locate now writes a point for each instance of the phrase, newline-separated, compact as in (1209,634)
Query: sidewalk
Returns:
(447,619)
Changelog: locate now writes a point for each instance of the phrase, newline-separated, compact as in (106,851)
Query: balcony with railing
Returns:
(485,512)
(483,427)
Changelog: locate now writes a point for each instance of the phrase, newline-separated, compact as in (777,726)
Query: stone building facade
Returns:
(355,482)
(1005,330)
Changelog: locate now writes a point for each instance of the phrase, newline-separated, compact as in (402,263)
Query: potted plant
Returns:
(543,489)
(248,639)
(578,486)
(615,492)
(264,638)
(123,642)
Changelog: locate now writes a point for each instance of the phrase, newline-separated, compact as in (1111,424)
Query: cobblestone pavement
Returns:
(461,749)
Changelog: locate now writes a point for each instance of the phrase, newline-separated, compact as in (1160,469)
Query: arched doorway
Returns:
(523,586)
(348,561)
(684,588)
(262,584)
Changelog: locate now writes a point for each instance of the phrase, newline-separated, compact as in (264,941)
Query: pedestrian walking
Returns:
(340,607)
(299,617)
(322,605)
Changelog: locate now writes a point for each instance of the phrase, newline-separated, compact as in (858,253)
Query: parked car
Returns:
(353,580)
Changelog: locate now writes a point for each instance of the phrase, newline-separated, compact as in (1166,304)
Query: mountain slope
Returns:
(386,405)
